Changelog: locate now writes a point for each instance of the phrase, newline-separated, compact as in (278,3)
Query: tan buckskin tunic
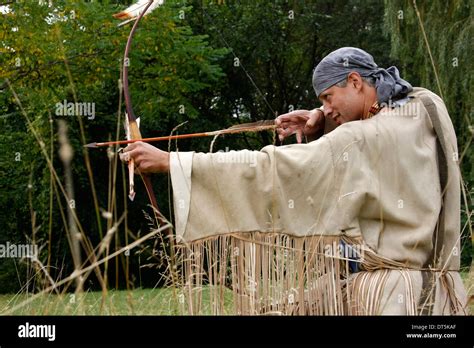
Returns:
(376,179)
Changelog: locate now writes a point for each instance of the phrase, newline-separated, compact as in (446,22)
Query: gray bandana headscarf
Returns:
(337,65)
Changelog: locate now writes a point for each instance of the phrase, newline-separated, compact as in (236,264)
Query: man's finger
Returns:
(132,146)
(314,119)
(292,117)
(299,136)
(134,155)
(284,132)
(124,157)
(311,121)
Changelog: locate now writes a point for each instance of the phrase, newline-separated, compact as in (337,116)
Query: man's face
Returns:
(343,104)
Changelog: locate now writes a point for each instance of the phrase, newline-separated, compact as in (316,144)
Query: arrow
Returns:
(244,127)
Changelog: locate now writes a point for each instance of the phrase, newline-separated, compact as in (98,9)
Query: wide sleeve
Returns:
(288,189)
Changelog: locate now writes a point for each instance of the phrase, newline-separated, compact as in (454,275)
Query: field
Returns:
(117,302)
(122,302)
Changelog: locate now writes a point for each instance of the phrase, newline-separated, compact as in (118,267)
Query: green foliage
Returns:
(277,45)
(73,52)
(197,61)
(449,30)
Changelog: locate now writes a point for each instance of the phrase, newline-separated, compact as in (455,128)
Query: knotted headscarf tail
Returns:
(338,64)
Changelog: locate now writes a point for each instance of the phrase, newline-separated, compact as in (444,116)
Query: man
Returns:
(385,183)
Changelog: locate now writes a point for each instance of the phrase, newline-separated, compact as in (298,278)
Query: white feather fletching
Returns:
(134,10)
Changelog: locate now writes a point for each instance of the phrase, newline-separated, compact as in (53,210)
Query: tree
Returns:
(71,52)
(441,62)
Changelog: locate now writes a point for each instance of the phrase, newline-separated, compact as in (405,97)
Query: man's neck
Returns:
(371,106)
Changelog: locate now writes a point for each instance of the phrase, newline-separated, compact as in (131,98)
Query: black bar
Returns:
(137,331)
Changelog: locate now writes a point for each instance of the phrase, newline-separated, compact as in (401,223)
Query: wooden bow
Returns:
(133,125)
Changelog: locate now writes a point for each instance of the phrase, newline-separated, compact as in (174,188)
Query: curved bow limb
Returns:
(135,133)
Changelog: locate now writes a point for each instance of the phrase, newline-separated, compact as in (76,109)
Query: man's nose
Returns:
(327,109)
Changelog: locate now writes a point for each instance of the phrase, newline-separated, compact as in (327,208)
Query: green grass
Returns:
(468,279)
(116,302)
(121,302)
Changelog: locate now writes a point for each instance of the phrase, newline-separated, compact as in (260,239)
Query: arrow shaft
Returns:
(150,140)
(185,136)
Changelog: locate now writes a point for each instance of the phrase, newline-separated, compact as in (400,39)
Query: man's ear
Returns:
(355,80)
